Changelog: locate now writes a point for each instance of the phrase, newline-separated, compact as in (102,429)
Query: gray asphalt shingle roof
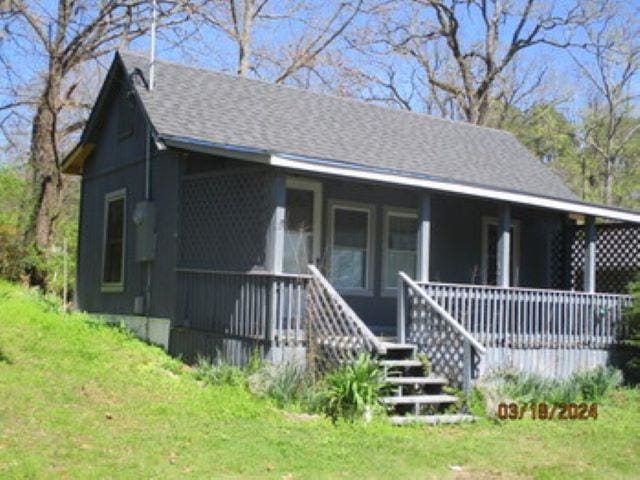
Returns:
(209,106)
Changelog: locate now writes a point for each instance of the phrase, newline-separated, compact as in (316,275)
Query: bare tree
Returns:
(277,40)
(611,64)
(465,48)
(59,40)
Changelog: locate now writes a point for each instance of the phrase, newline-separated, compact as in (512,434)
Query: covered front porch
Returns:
(477,291)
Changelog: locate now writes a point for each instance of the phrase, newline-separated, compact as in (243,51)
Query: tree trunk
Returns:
(45,166)
(608,181)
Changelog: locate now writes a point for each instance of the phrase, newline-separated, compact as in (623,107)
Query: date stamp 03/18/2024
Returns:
(548,411)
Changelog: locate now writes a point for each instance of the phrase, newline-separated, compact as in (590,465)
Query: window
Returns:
(351,262)
(400,245)
(302,225)
(114,238)
(490,251)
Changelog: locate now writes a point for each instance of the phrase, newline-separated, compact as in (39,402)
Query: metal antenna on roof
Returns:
(152,53)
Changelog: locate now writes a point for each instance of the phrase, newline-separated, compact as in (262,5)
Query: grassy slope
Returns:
(80,400)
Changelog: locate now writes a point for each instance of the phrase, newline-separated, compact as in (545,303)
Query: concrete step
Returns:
(431,419)
(419,399)
(417,380)
(400,363)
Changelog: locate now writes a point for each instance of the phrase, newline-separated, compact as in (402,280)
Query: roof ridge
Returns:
(324,95)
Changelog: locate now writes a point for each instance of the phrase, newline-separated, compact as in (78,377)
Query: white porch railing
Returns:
(336,333)
(533,318)
(451,348)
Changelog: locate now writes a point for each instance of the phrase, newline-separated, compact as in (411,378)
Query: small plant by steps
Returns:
(355,389)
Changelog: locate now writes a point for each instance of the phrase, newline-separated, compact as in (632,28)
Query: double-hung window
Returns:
(351,227)
(114,241)
(400,244)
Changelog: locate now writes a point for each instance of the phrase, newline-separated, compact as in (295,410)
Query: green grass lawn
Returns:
(80,400)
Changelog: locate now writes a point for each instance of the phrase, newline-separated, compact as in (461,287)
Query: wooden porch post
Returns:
(274,256)
(424,237)
(590,255)
(275,242)
(503,256)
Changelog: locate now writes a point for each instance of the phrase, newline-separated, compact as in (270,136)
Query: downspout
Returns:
(147,160)
(147,197)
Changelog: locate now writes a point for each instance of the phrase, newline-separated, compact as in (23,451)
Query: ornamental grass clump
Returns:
(354,390)
(211,373)
(589,386)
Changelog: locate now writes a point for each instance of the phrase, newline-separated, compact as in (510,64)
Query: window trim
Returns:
(389,211)
(314,186)
(370,210)
(114,287)
(515,253)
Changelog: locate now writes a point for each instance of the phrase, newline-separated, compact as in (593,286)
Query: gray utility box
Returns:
(144,218)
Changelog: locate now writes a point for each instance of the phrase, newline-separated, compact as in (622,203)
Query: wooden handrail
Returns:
(257,273)
(362,327)
(443,313)
(525,289)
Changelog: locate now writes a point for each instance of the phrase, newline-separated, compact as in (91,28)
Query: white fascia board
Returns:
(220,149)
(462,189)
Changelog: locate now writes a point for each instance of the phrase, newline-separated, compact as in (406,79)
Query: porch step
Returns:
(400,363)
(399,346)
(431,419)
(417,380)
(419,399)
(387,339)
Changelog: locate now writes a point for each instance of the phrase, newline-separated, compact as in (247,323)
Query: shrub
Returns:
(589,385)
(354,389)
(285,383)
(595,384)
(211,373)
(632,340)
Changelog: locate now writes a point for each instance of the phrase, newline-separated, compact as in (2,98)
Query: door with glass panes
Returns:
(302,224)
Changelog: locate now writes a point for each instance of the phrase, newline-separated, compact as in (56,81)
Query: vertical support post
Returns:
(424,237)
(275,241)
(468,365)
(503,256)
(590,255)
(275,250)
(401,333)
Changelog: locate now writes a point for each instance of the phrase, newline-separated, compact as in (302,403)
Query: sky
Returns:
(211,49)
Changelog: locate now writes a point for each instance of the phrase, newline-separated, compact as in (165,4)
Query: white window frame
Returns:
(369,209)
(515,253)
(397,212)
(114,287)
(314,186)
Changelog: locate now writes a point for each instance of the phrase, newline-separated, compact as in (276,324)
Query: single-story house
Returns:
(225,214)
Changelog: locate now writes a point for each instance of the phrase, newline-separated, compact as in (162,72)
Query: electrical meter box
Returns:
(144,219)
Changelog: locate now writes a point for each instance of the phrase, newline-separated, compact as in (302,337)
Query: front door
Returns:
(302,224)
(490,251)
